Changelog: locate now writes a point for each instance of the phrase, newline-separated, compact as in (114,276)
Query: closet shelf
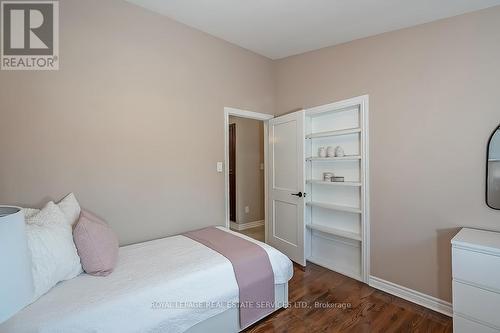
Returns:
(322,111)
(327,263)
(322,182)
(333,133)
(335,231)
(343,208)
(344,158)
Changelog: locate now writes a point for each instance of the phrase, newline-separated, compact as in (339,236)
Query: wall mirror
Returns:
(493,171)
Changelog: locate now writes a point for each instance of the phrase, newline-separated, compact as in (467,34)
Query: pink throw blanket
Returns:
(252,268)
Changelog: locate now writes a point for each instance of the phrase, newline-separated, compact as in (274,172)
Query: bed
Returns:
(173,284)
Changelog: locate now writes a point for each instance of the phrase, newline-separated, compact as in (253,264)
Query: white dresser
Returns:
(476,281)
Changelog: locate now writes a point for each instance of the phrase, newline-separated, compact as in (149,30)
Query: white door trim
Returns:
(250,115)
(246,114)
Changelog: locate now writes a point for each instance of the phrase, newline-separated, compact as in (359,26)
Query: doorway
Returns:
(246,179)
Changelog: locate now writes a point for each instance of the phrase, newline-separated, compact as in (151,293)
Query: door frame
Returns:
(264,117)
(232,159)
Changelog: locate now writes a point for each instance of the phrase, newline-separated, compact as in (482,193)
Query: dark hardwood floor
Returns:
(370,310)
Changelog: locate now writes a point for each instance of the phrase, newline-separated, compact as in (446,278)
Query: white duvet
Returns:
(138,296)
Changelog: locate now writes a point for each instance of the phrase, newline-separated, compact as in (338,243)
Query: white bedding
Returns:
(173,269)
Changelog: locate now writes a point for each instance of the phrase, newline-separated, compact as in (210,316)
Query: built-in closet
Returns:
(325,197)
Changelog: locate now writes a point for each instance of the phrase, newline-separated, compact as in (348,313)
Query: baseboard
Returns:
(248,225)
(413,296)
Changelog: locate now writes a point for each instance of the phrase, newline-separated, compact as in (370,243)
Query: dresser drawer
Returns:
(476,303)
(462,325)
(478,268)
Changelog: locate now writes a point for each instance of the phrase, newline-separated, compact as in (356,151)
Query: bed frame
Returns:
(229,320)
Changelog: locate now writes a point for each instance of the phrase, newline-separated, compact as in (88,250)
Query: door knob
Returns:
(298,194)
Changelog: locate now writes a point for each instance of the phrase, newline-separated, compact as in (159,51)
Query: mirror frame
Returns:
(487,168)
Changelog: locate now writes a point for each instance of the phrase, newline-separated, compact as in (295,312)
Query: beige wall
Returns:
(249,176)
(434,101)
(132,122)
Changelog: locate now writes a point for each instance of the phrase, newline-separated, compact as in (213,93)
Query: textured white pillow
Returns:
(68,205)
(70,208)
(30,212)
(53,253)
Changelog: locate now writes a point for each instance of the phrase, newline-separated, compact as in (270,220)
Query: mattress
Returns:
(165,285)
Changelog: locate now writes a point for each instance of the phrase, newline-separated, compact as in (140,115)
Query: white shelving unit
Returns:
(337,214)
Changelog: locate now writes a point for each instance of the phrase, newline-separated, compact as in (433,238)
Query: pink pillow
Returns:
(92,217)
(96,244)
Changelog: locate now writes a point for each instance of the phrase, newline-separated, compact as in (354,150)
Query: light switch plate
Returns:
(220,166)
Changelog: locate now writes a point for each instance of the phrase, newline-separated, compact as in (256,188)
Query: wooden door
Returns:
(232,172)
(286,185)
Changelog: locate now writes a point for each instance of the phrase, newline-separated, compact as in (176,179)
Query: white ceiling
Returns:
(280,28)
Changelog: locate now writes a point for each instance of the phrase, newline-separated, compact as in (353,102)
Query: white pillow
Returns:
(70,208)
(53,253)
(68,205)
(30,212)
